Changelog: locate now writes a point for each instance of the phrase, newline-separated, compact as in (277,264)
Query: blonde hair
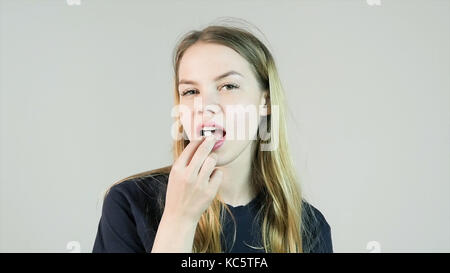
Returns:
(272,171)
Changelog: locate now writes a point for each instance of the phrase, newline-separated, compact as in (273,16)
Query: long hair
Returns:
(272,172)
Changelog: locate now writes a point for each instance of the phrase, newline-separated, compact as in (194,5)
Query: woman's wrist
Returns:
(178,219)
(175,234)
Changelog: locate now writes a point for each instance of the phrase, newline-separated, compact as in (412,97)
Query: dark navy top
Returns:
(132,210)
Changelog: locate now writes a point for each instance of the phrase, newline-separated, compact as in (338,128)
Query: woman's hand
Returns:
(193,183)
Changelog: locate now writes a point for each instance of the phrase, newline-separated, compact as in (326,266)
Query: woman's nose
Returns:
(208,104)
(210,111)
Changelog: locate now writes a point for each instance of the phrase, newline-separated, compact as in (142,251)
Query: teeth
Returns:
(207,131)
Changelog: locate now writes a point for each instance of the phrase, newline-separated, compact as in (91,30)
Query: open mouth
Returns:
(212,130)
(218,133)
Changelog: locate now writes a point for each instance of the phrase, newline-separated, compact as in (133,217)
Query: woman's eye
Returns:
(187,92)
(230,86)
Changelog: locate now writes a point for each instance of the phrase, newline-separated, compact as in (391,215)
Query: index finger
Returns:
(188,152)
(201,154)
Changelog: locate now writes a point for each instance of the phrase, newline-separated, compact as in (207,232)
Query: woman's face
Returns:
(232,101)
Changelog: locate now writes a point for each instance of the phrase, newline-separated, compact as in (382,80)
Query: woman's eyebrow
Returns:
(232,72)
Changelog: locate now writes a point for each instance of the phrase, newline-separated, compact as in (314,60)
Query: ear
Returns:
(265,103)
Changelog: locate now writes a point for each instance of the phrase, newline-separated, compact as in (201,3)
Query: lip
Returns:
(219,143)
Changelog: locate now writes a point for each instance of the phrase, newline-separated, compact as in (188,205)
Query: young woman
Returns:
(222,193)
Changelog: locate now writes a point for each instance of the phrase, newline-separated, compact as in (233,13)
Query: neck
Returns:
(236,188)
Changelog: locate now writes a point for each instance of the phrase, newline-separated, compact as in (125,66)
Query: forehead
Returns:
(205,61)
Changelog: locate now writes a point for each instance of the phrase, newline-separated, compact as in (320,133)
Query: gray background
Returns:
(86,94)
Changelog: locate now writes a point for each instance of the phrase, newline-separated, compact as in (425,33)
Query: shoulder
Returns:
(313,215)
(148,185)
(316,230)
(137,192)
(130,215)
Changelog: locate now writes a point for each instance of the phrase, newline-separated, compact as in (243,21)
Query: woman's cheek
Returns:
(189,126)
(184,120)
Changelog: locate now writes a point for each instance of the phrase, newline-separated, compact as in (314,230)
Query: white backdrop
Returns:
(86,94)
